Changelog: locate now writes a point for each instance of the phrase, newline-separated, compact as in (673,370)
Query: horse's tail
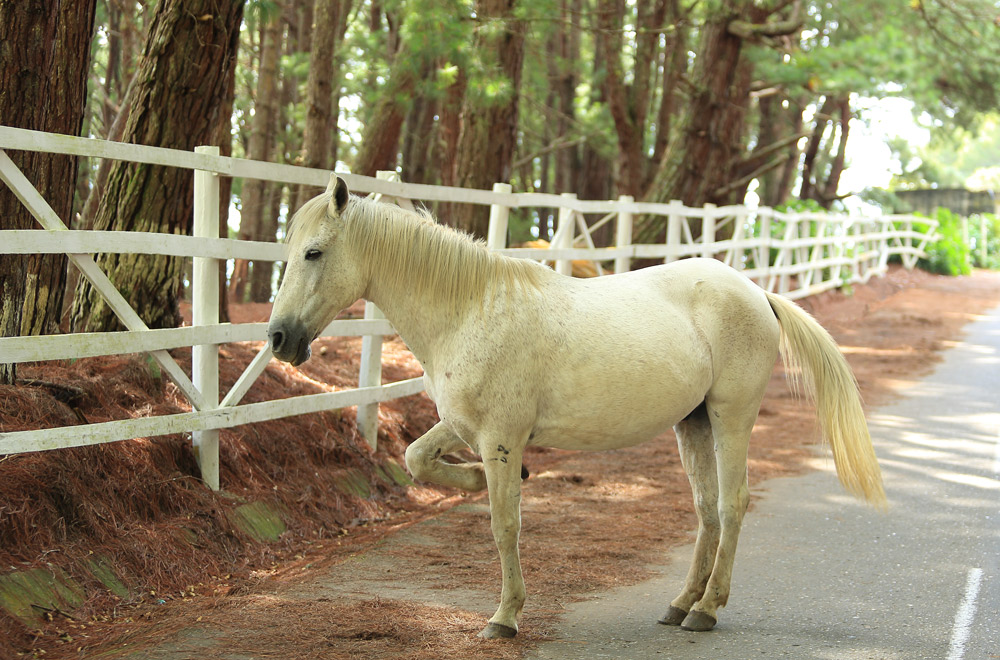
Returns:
(812,359)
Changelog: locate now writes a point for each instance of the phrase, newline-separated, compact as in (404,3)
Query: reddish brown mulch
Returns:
(590,520)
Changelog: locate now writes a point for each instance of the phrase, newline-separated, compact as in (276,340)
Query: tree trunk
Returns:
(182,80)
(419,142)
(824,161)
(785,176)
(286,144)
(44,60)
(809,164)
(450,126)
(710,134)
(675,55)
(319,144)
(224,138)
(628,102)
(485,151)
(262,143)
(567,161)
(379,148)
(829,192)
(594,178)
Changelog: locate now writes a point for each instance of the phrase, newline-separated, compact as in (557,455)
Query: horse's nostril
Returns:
(277,339)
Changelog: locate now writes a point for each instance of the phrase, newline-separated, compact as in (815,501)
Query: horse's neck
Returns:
(416,320)
(423,320)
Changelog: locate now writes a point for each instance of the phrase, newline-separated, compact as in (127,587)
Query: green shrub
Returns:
(949,255)
(992,260)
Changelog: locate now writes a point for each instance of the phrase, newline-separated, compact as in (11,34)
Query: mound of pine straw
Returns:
(139,506)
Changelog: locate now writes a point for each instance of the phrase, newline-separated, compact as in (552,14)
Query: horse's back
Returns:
(700,295)
(632,354)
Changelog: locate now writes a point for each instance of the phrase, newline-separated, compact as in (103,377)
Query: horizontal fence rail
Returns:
(795,254)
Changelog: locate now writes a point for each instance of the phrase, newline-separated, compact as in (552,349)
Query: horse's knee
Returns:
(418,461)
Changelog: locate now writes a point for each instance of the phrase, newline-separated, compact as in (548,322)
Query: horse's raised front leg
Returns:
(697,450)
(424,460)
(503,476)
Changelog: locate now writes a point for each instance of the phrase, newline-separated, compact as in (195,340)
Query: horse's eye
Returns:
(313,255)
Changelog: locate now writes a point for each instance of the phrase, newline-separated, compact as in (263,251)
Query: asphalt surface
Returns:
(819,575)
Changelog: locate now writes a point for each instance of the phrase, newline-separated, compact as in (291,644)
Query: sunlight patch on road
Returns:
(974,480)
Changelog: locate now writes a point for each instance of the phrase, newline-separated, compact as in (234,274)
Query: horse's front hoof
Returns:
(673,617)
(698,621)
(497,631)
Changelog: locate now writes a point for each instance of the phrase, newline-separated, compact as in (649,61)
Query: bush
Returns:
(949,255)
(992,260)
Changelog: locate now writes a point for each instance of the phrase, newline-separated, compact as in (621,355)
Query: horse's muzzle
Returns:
(289,341)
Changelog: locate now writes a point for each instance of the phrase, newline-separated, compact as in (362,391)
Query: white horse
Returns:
(515,354)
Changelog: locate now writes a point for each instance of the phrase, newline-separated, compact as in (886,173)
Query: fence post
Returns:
(909,259)
(763,258)
(370,369)
(708,232)
(496,235)
(674,219)
(565,232)
(737,258)
(205,311)
(982,241)
(370,375)
(855,235)
(623,235)
(787,254)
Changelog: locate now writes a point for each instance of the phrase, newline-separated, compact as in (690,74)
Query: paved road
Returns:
(819,576)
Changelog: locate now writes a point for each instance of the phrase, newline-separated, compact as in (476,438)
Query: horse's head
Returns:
(321,277)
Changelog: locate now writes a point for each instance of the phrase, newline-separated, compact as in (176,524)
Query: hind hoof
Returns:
(673,617)
(698,621)
(497,631)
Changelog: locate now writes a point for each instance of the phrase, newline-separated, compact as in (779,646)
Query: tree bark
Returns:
(567,161)
(450,126)
(629,102)
(379,148)
(319,143)
(702,163)
(821,166)
(786,175)
(710,134)
(420,139)
(224,138)
(675,55)
(182,79)
(776,124)
(261,147)
(829,192)
(485,150)
(44,59)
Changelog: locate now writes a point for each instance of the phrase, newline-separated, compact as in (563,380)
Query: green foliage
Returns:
(949,255)
(800,206)
(992,238)
(520,224)
(955,157)
(886,200)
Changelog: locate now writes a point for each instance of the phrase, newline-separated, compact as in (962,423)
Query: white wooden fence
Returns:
(794,254)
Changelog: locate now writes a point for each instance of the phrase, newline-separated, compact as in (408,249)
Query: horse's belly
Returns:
(613,423)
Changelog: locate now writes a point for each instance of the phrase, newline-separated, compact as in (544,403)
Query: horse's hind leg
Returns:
(731,426)
(423,458)
(696,445)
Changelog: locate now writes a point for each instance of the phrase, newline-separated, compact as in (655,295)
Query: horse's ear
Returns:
(339,189)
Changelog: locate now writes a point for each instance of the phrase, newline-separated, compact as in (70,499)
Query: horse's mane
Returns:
(411,249)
